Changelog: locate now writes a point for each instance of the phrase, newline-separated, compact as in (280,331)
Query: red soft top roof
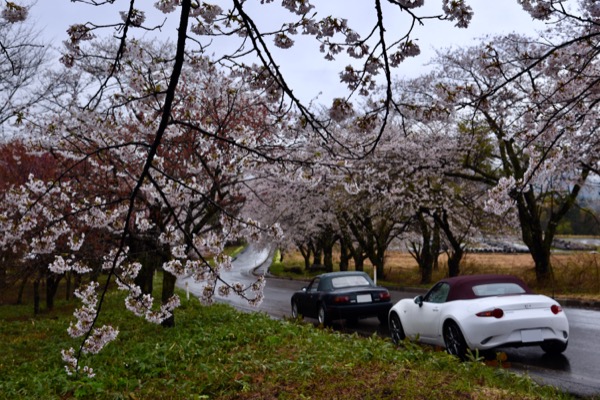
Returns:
(461,286)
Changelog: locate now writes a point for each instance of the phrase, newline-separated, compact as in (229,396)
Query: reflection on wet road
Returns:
(578,369)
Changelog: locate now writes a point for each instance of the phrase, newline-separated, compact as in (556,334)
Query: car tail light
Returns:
(341,299)
(385,296)
(496,313)
(556,309)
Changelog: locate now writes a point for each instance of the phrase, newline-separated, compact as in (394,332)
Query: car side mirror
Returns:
(419,300)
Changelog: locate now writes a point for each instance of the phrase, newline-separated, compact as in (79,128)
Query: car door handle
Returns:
(435,309)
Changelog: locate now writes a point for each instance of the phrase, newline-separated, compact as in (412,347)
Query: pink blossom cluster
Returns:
(458,10)
(411,3)
(539,9)
(299,7)
(98,338)
(208,12)
(86,314)
(135,17)
(283,41)
(78,33)
(13,12)
(341,109)
(500,200)
(126,274)
(72,364)
(142,306)
(62,265)
(592,9)
(167,6)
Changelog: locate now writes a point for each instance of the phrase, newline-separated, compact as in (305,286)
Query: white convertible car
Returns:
(481,312)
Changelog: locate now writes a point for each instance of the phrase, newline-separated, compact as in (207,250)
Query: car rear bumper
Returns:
(358,311)
(520,333)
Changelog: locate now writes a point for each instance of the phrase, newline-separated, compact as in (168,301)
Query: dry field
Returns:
(575,274)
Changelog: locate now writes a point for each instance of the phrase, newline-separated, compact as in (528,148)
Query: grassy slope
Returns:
(218,353)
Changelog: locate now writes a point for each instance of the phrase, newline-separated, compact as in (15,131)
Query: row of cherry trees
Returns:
(163,151)
(500,134)
(404,189)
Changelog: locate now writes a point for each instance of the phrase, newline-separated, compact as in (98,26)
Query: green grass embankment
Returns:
(219,353)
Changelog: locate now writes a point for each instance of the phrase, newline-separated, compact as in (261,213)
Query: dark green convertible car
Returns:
(350,295)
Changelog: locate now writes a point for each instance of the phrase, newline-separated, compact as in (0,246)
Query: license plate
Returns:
(531,335)
(363,298)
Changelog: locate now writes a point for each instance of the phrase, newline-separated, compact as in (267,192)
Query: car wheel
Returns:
(396,330)
(554,346)
(454,340)
(322,315)
(295,313)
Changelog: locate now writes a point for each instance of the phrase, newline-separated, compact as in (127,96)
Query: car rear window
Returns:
(349,281)
(497,289)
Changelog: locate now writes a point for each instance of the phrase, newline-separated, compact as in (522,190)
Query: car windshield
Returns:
(497,289)
(351,280)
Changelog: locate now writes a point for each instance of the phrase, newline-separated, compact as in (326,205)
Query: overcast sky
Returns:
(303,64)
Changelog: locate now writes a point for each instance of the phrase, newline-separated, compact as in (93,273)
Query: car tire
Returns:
(455,341)
(322,315)
(295,313)
(396,329)
(554,347)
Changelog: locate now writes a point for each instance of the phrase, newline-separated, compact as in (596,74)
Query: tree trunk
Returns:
(543,268)
(36,296)
(21,291)
(327,240)
(317,256)
(456,253)
(533,236)
(426,260)
(379,264)
(328,258)
(52,282)
(423,253)
(168,290)
(145,278)
(306,253)
(359,261)
(76,283)
(3,285)
(68,278)
(348,251)
(345,255)
(426,266)
(436,244)
(454,259)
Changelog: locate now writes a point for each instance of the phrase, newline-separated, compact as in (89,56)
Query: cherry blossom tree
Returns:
(540,124)
(16,166)
(126,133)
(187,207)
(22,57)
(448,210)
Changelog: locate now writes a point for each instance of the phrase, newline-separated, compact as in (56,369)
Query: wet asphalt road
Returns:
(577,371)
